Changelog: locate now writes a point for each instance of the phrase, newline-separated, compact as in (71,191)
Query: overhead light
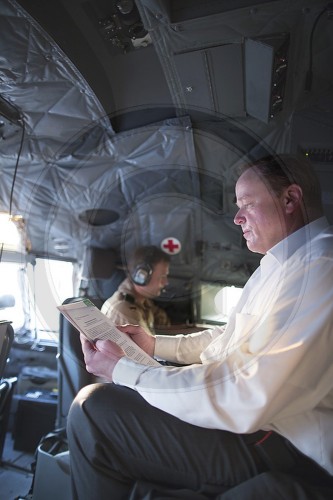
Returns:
(11,232)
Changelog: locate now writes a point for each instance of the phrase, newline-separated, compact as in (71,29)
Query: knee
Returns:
(84,399)
(96,400)
(103,402)
(87,393)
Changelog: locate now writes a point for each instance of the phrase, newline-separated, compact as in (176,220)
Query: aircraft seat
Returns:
(6,340)
(72,374)
(6,385)
(101,278)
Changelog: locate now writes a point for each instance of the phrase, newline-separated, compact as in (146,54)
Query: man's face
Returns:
(261,213)
(158,280)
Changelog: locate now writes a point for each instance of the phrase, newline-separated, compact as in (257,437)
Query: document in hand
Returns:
(90,321)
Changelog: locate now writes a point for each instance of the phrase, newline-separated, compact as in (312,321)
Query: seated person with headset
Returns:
(132,303)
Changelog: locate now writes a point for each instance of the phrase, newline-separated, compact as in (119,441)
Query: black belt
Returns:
(274,452)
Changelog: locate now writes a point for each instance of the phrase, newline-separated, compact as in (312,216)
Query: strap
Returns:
(128,297)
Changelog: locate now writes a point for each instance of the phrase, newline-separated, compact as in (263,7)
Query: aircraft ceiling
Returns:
(120,123)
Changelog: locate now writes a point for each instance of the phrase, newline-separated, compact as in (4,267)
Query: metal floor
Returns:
(15,472)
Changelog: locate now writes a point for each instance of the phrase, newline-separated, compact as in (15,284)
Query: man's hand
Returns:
(142,338)
(101,358)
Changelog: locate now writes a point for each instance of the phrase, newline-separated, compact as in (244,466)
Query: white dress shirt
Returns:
(271,368)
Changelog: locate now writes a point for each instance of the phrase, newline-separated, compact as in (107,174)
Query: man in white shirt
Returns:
(253,399)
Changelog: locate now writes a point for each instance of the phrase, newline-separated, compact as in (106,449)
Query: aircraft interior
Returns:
(121,124)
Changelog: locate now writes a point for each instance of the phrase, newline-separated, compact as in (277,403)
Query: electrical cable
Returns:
(308,78)
(16,168)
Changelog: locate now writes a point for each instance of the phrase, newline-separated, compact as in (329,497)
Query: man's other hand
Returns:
(101,357)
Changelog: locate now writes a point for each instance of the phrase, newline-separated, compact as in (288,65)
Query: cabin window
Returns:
(30,293)
(217,302)
(11,305)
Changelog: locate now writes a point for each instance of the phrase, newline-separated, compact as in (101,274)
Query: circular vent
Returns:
(99,217)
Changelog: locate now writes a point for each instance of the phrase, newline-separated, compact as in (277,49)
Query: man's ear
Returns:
(293,197)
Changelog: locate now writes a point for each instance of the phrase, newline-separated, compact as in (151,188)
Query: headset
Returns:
(141,275)
(142,271)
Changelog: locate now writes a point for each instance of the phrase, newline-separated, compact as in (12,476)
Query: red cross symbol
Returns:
(171,246)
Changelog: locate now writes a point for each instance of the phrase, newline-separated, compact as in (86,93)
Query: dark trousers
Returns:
(117,440)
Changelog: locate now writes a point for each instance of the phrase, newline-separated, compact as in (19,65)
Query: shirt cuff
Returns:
(165,347)
(127,372)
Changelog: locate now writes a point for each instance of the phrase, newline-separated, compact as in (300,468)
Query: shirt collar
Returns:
(288,246)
